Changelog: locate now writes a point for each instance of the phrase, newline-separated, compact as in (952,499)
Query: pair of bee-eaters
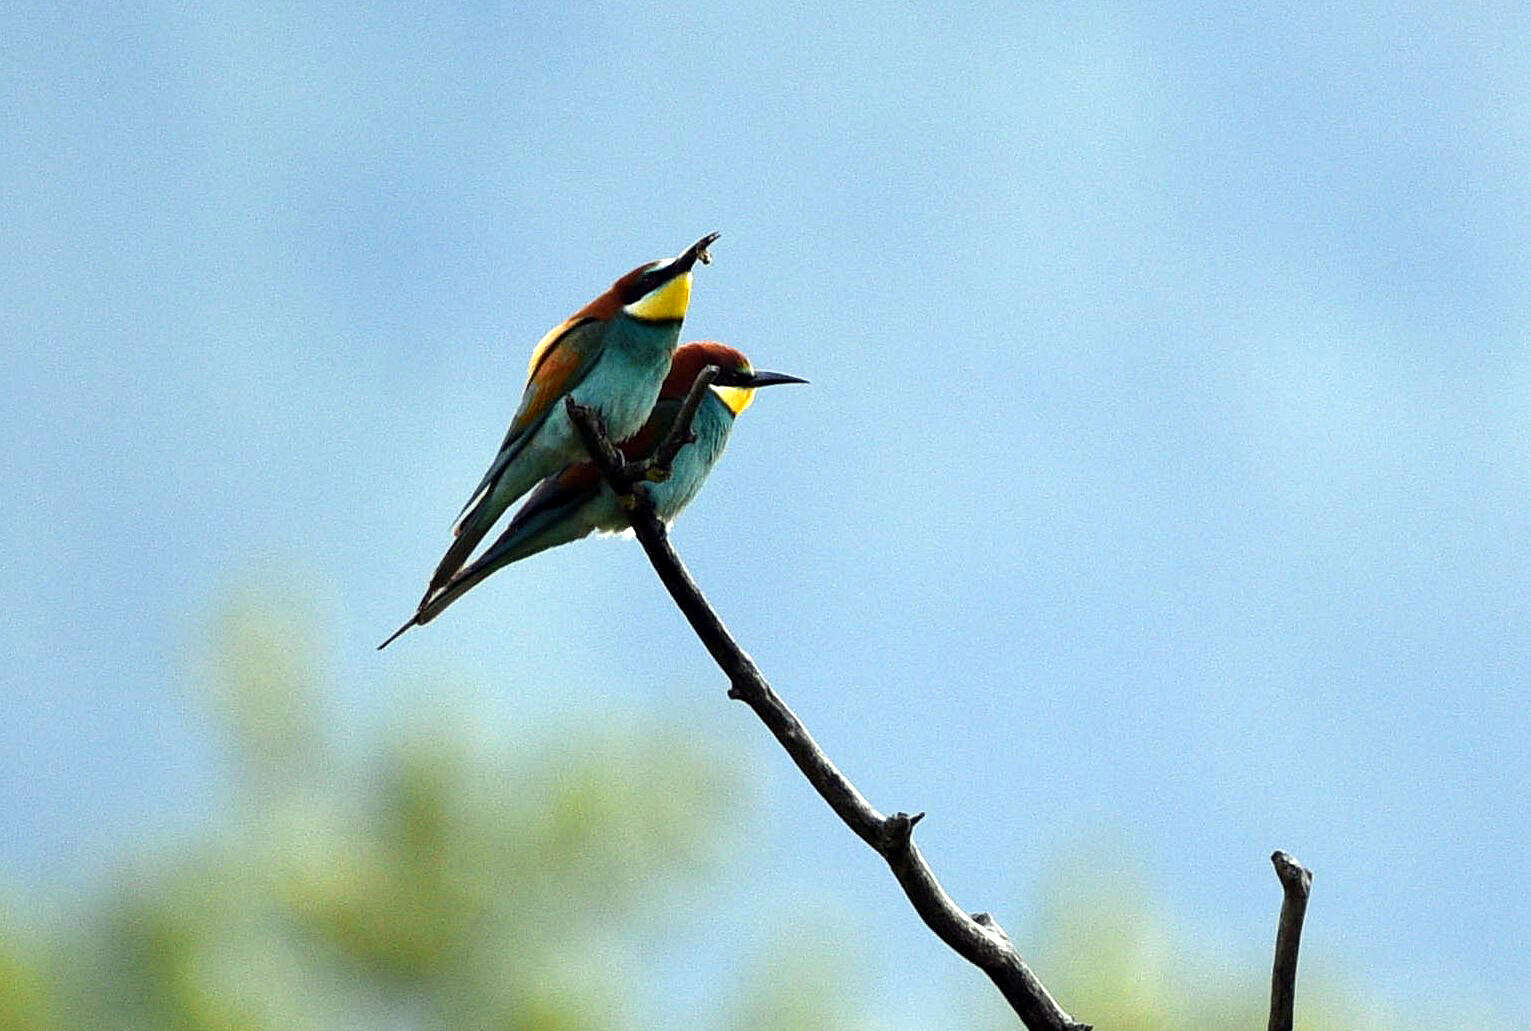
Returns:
(617,355)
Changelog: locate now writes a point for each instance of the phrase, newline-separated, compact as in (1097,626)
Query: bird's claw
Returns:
(656,474)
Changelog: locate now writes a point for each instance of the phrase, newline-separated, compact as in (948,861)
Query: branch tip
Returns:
(1296,883)
(1293,875)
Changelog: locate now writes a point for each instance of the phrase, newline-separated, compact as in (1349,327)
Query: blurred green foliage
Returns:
(25,994)
(442,881)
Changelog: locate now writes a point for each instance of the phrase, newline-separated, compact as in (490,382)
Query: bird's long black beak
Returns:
(770,379)
(693,254)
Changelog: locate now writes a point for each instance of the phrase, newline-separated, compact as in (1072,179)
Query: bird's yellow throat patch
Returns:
(736,398)
(666,304)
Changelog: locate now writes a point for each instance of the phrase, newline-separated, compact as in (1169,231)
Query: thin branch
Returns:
(592,432)
(1296,882)
(680,430)
(621,473)
(975,937)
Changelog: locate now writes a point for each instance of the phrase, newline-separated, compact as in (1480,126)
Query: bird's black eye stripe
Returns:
(732,377)
(642,284)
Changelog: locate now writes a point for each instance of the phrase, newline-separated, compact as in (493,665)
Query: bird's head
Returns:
(736,381)
(660,291)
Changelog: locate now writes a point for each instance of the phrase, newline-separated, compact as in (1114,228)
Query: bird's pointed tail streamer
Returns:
(413,621)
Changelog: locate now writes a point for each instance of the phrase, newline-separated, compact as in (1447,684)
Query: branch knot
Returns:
(898,833)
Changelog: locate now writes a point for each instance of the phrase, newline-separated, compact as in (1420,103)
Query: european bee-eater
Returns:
(611,355)
(577,502)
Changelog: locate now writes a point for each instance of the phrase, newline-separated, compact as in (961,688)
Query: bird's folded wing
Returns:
(556,496)
(560,363)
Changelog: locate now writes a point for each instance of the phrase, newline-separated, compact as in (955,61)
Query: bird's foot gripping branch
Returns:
(622,475)
(977,937)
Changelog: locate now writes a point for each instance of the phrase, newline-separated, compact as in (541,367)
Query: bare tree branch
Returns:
(680,430)
(619,472)
(1296,881)
(976,937)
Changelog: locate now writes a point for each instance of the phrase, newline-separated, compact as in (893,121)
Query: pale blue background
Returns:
(1165,467)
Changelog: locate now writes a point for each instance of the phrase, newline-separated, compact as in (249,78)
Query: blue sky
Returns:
(1164,469)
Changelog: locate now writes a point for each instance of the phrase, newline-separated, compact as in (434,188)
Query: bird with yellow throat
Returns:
(612,355)
(576,502)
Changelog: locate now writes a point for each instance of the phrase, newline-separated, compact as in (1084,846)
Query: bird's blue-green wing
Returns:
(560,362)
(550,517)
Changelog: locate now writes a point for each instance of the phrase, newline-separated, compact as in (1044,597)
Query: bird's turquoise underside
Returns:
(598,508)
(712,425)
(625,382)
(622,385)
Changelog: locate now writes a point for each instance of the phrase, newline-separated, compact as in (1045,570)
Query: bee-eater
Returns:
(611,355)
(577,501)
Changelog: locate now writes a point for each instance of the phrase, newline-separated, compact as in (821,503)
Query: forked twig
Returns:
(976,936)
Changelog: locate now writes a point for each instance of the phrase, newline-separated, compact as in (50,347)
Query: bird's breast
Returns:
(624,388)
(694,461)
